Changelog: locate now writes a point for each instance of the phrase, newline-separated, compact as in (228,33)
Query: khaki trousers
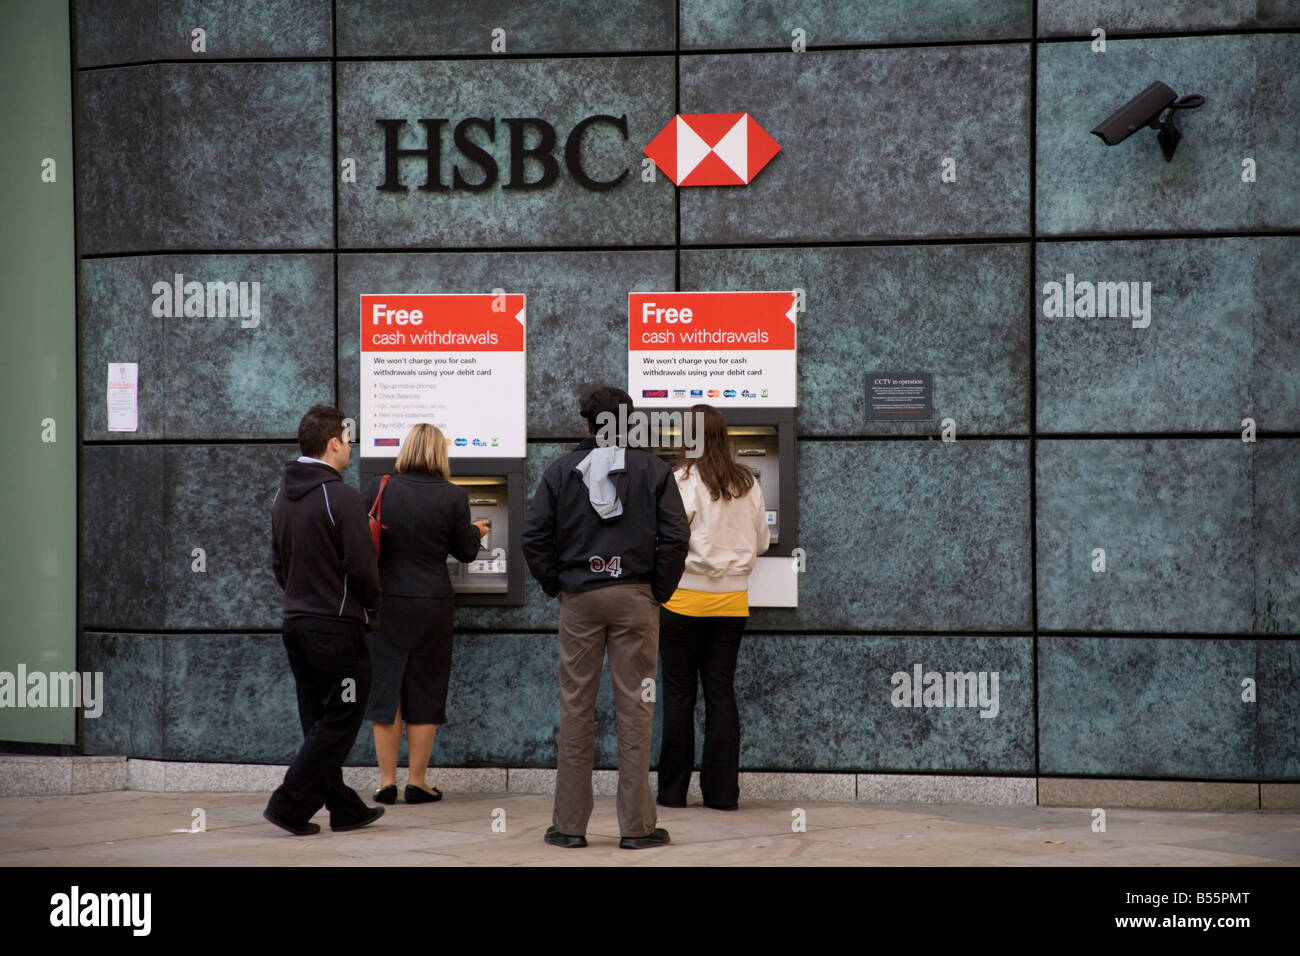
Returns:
(623,618)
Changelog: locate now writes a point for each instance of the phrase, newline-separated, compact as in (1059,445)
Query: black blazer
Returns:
(427,518)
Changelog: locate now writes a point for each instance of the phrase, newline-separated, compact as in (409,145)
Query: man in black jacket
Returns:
(324,560)
(606,531)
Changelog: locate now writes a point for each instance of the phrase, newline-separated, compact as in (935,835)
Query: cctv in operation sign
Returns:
(455,361)
(730,349)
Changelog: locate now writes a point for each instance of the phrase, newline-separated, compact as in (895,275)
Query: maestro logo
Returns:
(712,149)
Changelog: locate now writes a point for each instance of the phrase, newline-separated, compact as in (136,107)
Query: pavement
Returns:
(136,828)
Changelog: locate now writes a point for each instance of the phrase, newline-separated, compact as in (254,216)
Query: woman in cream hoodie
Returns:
(701,624)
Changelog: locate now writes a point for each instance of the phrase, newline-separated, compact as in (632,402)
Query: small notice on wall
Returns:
(902,396)
(123,407)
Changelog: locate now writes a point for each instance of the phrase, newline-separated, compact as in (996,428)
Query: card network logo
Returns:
(654,393)
(712,149)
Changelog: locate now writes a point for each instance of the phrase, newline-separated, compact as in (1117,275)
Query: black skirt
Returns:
(410,657)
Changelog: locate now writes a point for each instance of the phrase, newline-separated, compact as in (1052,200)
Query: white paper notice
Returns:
(123,411)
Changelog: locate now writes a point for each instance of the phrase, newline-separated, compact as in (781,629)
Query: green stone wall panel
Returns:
(1174,518)
(1057,18)
(954,311)
(128,31)
(1249,82)
(432,28)
(731,24)
(1146,707)
(561,92)
(1220,346)
(205,156)
(577,315)
(204,377)
(863,135)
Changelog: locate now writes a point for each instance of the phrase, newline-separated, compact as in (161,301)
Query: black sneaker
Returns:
(658,838)
(555,838)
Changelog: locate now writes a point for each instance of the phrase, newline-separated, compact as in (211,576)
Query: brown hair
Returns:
(722,476)
(424,449)
(317,427)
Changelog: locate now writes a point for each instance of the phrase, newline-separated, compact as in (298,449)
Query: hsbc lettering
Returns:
(474,134)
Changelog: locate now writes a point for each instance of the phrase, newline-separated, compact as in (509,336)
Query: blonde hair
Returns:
(424,449)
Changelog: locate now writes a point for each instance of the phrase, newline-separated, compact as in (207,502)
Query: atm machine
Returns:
(495,487)
(763,440)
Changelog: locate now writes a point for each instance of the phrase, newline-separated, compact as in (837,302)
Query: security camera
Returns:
(1144,110)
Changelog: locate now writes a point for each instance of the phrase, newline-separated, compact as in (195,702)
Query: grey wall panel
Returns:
(126,31)
(577,315)
(863,135)
(1248,82)
(230,699)
(202,156)
(1277,536)
(916,535)
(1277,678)
(120,131)
(1174,518)
(133,721)
(954,311)
(144,511)
(1144,707)
(219,498)
(115,31)
(253,169)
(123,521)
(207,376)
(713,24)
(1220,345)
(447,27)
(1081,17)
(825,702)
(561,92)
(116,325)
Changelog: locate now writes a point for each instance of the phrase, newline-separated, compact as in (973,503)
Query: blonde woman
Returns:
(426,518)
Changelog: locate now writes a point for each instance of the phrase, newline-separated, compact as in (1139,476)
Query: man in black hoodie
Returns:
(606,531)
(324,560)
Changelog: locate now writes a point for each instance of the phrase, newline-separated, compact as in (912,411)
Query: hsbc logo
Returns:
(694,149)
(712,149)
(530,166)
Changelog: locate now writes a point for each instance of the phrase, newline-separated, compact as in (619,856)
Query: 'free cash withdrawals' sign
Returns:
(455,361)
(730,349)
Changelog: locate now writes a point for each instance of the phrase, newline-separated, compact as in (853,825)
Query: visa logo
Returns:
(679,393)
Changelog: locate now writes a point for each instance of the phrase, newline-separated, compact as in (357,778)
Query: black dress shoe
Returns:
(658,838)
(420,795)
(386,794)
(305,829)
(370,816)
(555,838)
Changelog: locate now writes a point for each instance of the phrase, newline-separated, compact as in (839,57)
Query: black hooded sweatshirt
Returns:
(321,550)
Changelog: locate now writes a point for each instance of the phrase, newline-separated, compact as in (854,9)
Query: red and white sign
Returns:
(730,349)
(455,361)
(712,149)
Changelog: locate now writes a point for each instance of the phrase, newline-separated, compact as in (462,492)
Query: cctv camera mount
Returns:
(1145,109)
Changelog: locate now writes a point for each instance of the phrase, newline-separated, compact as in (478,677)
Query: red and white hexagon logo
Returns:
(712,149)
